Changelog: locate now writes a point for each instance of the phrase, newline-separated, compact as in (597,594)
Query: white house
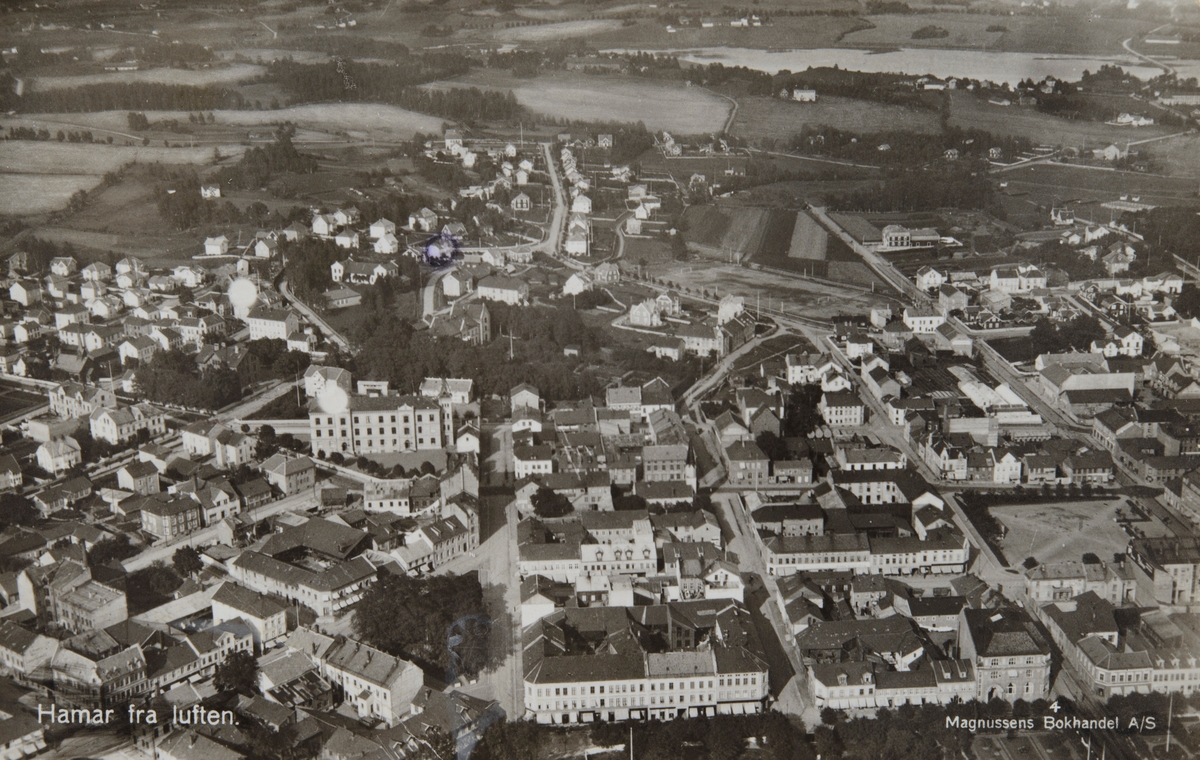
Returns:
(928,278)
(382,227)
(324,225)
(57,455)
(521,202)
(424,220)
(387,244)
(577,283)
(216,246)
(510,290)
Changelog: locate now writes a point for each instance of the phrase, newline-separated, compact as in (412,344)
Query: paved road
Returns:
(554,236)
(429,293)
(208,536)
(877,263)
(1125,44)
(258,400)
(720,370)
(313,317)
(792,699)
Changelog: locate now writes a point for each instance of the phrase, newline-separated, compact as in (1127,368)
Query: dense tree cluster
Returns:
(434,620)
(956,184)
(1052,337)
(308,262)
(238,672)
(15,509)
(112,549)
(261,163)
(125,96)
(186,561)
(396,84)
(150,587)
(801,416)
(392,350)
(173,377)
(547,503)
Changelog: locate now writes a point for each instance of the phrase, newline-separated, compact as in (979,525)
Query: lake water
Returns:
(990,66)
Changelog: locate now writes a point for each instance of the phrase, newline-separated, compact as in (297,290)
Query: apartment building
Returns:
(377,425)
(729,676)
(1011,659)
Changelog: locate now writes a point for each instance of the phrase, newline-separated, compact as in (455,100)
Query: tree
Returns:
(267,445)
(112,549)
(239,672)
(547,503)
(801,416)
(186,561)
(15,509)
(772,445)
(438,620)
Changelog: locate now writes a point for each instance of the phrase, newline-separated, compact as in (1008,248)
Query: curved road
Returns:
(312,316)
(1146,58)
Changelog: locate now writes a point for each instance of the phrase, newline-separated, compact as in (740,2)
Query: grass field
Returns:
(28,157)
(968,111)
(759,118)
(783,32)
(558,31)
(776,236)
(201,78)
(718,230)
(1034,190)
(1175,156)
(809,239)
(1034,34)
(16,400)
(673,107)
(352,118)
(22,194)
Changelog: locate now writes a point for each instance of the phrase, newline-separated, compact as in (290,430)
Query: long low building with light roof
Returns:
(622,681)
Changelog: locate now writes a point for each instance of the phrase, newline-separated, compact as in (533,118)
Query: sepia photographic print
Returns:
(600,379)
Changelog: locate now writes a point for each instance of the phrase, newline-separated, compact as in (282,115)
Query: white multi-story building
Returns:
(119,425)
(271,323)
(377,425)
(625,683)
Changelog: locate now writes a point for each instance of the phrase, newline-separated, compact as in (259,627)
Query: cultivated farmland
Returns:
(26,157)
(349,118)
(719,231)
(809,239)
(38,193)
(558,31)
(759,118)
(673,107)
(216,76)
(968,111)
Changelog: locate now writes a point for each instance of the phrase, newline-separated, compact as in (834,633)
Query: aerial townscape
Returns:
(519,380)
